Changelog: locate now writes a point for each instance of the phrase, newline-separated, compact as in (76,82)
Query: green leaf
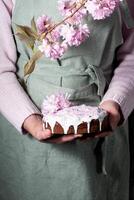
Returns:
(33,25)
(27,35)
(29,41)
(30,66)
(27,30)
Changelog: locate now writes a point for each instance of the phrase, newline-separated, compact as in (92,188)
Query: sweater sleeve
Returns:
(15,104)
(121,88)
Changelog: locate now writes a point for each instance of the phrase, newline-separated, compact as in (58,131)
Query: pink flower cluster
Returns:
(74,35)
(54,103)
(54,50)
(57,42)
(68,7)
(65,6)
(71,31)
(100,9)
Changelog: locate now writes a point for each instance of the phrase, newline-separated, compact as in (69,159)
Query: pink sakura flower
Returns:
(100,9)
(53,103)
(75,35)
(78,16)
(42,23)
(55,34)
(66,7)
(53,50)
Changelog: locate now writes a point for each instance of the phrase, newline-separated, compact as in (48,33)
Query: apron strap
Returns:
(100,155)
(126,14)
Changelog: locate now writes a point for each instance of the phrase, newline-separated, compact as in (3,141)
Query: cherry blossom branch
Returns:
(52,42)
(64,20)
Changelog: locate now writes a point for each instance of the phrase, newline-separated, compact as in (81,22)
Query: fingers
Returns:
(114,112)
(114,119)
(99,135)
(43,134)
(104,134)
(64,139)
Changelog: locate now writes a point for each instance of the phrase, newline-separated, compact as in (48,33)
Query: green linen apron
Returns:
(131,143)
(72,171)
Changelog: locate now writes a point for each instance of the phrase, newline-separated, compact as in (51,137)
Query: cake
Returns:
(62,117)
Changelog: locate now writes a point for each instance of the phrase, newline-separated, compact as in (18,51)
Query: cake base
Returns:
(95,128)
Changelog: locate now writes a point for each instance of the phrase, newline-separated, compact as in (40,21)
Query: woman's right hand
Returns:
(34,125)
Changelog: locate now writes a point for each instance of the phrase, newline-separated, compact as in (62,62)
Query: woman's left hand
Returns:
(115,115)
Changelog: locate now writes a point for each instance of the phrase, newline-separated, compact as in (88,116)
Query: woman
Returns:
(31,169)
(131,139)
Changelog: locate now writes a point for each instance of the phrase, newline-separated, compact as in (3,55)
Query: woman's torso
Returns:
(88,66)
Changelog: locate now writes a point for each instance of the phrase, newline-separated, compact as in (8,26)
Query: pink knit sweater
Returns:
(16,106)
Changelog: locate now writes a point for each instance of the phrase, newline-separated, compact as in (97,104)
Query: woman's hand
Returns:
(115,115)
(34,125)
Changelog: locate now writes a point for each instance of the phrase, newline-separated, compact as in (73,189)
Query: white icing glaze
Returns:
(100,125)
(74,116)
(88,127)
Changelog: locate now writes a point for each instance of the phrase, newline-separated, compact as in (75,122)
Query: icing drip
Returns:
(75,128)
(88,127)
(52,124)
(100,125)
(65,126)
(46,124)
(74,116)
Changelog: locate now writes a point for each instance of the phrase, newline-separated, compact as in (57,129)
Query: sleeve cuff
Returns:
(19,123)
(125,102)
